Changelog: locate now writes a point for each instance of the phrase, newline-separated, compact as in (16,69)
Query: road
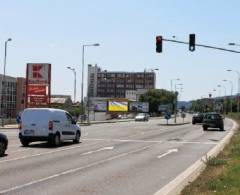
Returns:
(119,158)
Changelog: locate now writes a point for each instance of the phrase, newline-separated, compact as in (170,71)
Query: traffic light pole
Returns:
(201,45)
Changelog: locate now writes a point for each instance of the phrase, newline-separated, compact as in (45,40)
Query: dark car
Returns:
(213,120)
(197,118)
(3,144)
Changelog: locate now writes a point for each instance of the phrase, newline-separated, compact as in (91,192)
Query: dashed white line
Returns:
(73,170)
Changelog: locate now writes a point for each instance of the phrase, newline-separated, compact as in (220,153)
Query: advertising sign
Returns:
(139,106)
(38,84)
(100,106)
(37,89)
(38,100)
(38,73)
(117,106)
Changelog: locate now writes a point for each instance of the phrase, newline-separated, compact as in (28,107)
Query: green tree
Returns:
(157,97)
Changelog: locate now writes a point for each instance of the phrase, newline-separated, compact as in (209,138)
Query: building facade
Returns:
(115,84)
(8,96)
(20,94)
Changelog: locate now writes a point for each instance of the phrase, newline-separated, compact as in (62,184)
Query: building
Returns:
(115,84)
(8,96)
(20,94)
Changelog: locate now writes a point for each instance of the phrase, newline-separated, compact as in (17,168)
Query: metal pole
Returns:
(75,86)
(3,83)
(82,111)
(238,91)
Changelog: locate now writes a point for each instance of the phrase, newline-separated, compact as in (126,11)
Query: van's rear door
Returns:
(35,122)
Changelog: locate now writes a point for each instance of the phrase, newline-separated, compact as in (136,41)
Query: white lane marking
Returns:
(74,170)
(168,152)
(41,154)
(99,150)
(150,141)
(123,140)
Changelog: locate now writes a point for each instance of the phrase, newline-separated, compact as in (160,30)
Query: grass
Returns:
(222,173)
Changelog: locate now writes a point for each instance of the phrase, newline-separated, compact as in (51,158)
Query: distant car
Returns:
(47,124)
(3,144)
(197,118)
(213,120)
(141,117)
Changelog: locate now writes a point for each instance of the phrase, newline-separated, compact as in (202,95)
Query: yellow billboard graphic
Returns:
(116,106)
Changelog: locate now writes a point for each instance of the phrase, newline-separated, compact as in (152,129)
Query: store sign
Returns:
(38,100)
(38,73)
(37,90)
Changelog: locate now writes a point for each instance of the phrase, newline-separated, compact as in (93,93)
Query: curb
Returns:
(190,174)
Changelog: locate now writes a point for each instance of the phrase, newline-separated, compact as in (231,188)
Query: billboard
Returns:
(117,106)
(37,89)
(139,106)
(38,84)
(100,106)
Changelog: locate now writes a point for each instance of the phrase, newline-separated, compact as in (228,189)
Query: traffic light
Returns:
(192,42)
(158,44)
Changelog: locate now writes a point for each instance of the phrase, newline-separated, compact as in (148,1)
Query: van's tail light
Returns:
(20,125)
(50,125)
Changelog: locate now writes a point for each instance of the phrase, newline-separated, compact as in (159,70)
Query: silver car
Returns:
(141,117)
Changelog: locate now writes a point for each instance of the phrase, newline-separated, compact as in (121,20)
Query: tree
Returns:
(156,97)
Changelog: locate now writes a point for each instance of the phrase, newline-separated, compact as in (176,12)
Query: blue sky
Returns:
(53,31)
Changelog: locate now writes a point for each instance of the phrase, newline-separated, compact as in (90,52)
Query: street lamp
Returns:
(238,74)
(225,94)
(177,79)
(3,83)
(231,90)
(175,110)
(74,72)
(83,48)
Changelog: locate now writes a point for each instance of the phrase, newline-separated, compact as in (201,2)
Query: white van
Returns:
(47,124)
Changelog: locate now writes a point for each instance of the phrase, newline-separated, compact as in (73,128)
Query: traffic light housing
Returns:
(192,42)
(158,44)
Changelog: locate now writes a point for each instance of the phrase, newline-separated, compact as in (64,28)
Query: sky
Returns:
(54,31)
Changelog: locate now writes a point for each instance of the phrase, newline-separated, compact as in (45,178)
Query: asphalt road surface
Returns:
(120,158)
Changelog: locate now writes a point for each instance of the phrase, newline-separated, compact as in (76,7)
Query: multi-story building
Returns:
(20,94)
(8,96)
(115,84)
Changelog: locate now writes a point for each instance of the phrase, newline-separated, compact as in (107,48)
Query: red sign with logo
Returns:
(37,89)
(38,84)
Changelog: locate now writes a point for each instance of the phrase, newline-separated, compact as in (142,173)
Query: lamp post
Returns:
(74,72)
(225,93)
(238,100)
(3,83)
(231,90)
(83,48)
(177,79)
(175,110)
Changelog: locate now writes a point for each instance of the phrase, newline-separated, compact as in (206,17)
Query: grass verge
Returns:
(222,173)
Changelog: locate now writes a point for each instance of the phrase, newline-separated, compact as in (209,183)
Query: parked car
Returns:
(141,117)
(197,118)
(3,144)
(47,124)
(213,120)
